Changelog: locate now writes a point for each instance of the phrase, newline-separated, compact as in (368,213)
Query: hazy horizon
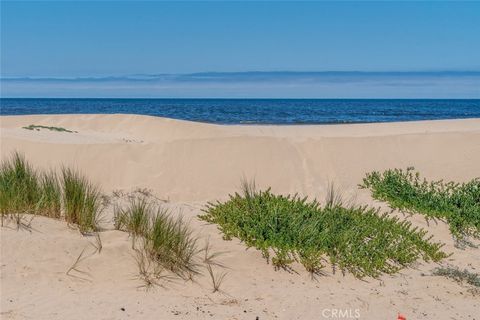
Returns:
(281,84)
(240,49)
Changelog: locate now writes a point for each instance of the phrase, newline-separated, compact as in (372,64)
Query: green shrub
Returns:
(355,239)
(458,204)
(82,201)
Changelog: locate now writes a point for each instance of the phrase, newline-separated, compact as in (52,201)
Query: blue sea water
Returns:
(257,111)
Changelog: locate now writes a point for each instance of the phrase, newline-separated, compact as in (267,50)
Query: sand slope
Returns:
(190,163)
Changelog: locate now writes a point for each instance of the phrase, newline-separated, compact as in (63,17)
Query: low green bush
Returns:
(458,204)
(289,228)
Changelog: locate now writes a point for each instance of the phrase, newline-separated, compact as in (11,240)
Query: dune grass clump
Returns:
(150,272)
(23,190)
(82,201)
(19,186)
(135,215)
(171,243)
(167,240)
(289,228)
(50,204)
(134,218)
(458,204)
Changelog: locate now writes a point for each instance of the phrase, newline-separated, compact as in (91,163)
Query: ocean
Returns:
(257,111)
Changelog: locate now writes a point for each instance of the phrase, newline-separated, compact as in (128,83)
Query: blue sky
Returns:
(66,39)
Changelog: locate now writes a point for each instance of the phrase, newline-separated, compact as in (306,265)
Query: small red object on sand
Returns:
(401,317)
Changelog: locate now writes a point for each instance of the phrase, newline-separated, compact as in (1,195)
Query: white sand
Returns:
(191,163)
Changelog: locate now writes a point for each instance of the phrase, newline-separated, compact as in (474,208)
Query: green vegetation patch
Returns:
(458,204)
(135,217)
(460,276)
(355,239)
(82,200)
(38,127)
(25,190)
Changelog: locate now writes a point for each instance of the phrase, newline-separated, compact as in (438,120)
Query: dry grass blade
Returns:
(248,187)
(75,267)
(217,279)
(98,245)
(334,197)
(210,258)
(150,272)
(21,222)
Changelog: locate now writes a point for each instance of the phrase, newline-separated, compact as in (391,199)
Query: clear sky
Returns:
(118,38)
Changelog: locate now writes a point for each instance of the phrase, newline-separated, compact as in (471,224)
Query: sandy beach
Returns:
(187,164)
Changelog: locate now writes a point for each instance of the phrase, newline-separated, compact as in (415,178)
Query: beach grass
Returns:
(50,203)
(167,240)
(456,203)
(82,200)
(215,278)
(134,218)
(288,229)
(20,189)
(171,243)
(25,190)
(149,271)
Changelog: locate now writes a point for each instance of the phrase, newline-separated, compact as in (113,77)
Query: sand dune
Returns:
(185,161)
(191,163)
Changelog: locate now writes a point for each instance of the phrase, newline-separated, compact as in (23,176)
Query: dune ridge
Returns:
(188,161)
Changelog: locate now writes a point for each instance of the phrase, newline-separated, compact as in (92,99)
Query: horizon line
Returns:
(234,74)
(216,98)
